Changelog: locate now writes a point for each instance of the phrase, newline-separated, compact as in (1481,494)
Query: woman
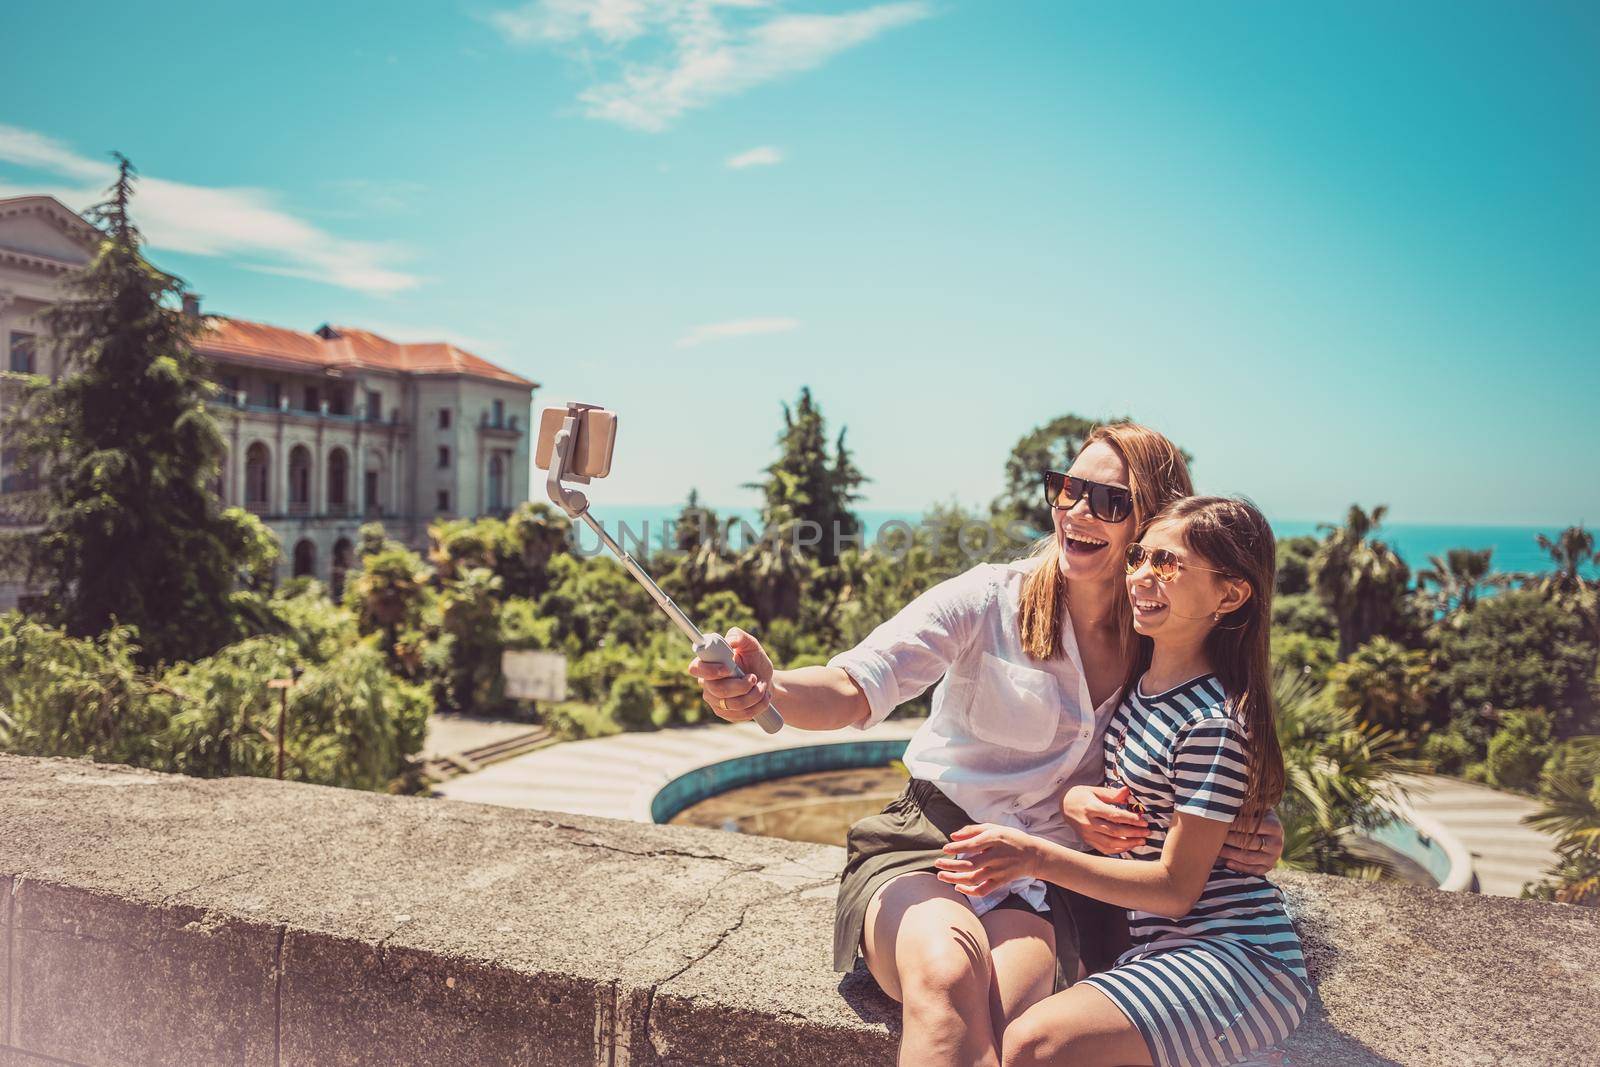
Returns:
(1033,657)
(1215,973)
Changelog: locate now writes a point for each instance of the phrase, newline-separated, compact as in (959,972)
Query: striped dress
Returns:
(1226,981)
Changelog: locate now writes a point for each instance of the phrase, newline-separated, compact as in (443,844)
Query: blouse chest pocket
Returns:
(1017,707)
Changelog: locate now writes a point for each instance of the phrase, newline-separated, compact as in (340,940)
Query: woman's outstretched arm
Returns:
(810,698)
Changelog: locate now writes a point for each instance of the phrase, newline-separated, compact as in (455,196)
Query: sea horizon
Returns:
(1515,548)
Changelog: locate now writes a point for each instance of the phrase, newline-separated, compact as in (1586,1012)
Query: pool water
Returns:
(817,807)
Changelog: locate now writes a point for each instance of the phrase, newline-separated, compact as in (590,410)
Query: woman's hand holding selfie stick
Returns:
(576,442)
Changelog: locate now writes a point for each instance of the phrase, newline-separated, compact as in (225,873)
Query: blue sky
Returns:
(1341,252)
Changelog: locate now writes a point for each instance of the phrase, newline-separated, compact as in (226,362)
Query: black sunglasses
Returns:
(1108,503)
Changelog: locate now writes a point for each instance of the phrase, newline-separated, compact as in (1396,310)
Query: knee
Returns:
(1027,1043)
(944,973)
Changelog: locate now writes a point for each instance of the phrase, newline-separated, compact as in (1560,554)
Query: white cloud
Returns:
(765,156)
(241,224)
(673,56)
(721,331)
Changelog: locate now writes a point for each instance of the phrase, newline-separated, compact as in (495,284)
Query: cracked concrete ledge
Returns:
(160,919)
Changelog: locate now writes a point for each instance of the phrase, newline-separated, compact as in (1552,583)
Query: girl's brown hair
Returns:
(1157,475)
(1234,537)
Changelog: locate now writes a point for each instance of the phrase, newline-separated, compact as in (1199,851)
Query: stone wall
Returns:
(158,919)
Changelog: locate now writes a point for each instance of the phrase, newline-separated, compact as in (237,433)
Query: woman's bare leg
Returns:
(1077,1027)
(1023,947)
(929,951)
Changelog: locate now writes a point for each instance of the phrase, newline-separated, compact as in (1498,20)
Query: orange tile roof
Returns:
(334,348)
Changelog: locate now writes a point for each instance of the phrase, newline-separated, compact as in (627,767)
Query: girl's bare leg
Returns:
(1077,1027)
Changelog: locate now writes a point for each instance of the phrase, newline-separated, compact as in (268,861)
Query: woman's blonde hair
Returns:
(1157,475)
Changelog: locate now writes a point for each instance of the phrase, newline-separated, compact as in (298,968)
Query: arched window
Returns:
(372,482)
(338,480)
(343,557)
(257,477)
(497,488)
(300,479)
(305,558)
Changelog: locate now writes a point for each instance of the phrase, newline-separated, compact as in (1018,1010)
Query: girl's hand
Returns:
(980,859)
(1092,811)
(1257,852)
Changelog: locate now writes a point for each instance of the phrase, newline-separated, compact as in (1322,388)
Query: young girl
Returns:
(1215,972)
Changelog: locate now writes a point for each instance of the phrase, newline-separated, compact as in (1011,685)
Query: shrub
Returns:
(1302,654)
(1519,749)
(1384,685)
(631,702)
(1517,650)
(1448,752)
(1302,613)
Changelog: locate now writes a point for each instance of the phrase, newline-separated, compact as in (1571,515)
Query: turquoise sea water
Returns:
(1515,547)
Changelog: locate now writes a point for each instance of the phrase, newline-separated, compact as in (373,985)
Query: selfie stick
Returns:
(709,647)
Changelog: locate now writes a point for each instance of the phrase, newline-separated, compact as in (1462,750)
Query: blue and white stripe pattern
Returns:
(1228,979)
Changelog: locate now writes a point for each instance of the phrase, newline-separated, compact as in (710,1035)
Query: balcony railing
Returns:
(506,424)
(240,402)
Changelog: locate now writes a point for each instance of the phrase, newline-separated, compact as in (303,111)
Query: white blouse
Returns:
(1008,734)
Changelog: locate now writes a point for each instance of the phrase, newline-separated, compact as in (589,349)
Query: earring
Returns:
(1216,616)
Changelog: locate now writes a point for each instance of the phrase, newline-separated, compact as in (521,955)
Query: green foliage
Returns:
(1384,685)
(1294,566)
(574,720)
(517,549)
(1303,613)
(1457,579)
(1571,551)
(1340,774)
(808,482)
(522,627)
(1518,750)
(1571,791)
(62,695)
(631,702)
(129,531)
(1516,650)
(1302,654)
(350,721)
(595,600)
(468,617)
(1447,751)
(1360,579)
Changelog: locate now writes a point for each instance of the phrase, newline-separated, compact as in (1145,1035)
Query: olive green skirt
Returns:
(908,835)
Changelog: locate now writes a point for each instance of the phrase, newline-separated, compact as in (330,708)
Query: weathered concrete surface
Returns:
(161,919)
(5,960)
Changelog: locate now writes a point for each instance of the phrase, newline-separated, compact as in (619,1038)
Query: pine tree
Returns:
(808,484)
(131,531)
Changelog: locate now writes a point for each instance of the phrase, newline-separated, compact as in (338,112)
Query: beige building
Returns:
(324,430)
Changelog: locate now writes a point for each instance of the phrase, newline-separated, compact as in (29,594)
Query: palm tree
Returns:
(1339,773)
(1571,551)
(1572,813)
(1457,578)
(1362,581)
(775,569)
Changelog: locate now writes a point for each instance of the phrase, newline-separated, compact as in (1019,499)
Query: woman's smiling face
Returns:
(1090,548)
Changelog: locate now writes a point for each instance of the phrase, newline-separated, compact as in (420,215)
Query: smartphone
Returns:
(597,439)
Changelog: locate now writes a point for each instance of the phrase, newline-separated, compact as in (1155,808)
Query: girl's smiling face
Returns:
(1090,548)
(1187,606)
